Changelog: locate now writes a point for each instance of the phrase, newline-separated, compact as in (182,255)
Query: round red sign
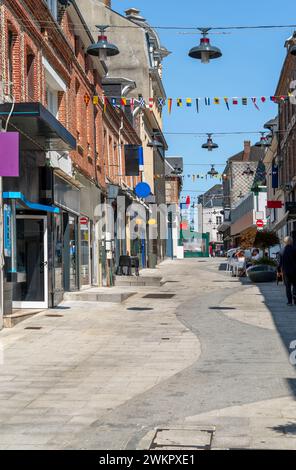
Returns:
(260,223)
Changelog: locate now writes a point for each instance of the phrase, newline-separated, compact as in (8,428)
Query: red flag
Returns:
(234,101)
(151,103)
(263,99)
(132,104)
(188,201)
(255,103)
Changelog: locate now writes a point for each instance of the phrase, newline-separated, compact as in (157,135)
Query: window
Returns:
(30,76)
(10,62)
(52,100)
(52,5)
(219,220)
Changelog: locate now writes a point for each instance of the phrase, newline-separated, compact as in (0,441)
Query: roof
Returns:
(257,154)
(174,166)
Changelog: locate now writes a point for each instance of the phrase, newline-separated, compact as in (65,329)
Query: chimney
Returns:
(134,14)
(247,150)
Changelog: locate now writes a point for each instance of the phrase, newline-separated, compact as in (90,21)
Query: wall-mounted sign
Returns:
(9,153)
(274,204)
(143,190)
(7,230)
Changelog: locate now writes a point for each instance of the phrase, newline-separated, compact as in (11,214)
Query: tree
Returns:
(247,240)
(266,239)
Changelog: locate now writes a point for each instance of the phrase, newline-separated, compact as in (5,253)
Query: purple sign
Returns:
(9,153)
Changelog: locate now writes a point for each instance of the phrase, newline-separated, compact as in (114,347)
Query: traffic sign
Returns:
(260,223)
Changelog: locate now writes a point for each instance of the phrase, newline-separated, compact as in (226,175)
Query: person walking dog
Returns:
(288,268)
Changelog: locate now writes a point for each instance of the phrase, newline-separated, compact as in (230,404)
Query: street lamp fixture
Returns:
(293,50)
(210,145)
(248,171)
(213,172)
(205,51)
(264,141)
(102,48)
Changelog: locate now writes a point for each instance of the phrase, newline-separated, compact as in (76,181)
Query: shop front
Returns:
(34,225)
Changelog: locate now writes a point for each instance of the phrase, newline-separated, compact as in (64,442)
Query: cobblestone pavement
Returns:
(105,377)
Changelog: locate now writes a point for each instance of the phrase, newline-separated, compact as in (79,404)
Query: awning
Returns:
(223,227)
(23,202)
(39,129)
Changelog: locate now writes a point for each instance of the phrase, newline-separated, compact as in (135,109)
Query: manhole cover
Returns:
(33,328)
(195,438)
(158,296)
(139,309)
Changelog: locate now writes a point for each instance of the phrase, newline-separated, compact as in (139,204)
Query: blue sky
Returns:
(250,66)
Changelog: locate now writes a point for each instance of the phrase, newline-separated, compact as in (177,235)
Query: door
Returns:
(32,262)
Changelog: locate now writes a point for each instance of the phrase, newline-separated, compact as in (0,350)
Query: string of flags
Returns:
(207,101)
(195,177)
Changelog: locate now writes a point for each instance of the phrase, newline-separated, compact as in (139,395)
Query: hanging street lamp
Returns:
(205,51)
(248,171)
(210,145)
(213,172)
(292,50)
(102,48)
(264,141)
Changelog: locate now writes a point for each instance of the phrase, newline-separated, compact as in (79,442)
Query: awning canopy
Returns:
(39,129)
(23,202)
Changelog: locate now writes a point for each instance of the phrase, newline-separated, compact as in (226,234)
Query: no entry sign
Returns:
(260,223)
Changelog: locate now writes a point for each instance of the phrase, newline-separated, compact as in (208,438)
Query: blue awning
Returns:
(31,205)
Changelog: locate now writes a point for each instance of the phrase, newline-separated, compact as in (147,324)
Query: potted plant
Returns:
(264,269)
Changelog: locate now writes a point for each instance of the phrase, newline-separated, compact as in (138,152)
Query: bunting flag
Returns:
(142,102)
(197,105)
(161,102)
(254,100)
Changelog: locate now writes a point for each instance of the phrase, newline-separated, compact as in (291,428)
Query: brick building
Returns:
(284,156)
(47,87)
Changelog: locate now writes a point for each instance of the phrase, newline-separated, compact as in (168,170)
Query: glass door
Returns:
(32,262)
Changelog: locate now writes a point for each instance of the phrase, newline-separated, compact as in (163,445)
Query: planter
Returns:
(262,273)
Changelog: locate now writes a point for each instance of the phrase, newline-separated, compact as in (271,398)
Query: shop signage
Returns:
(275,176)
(9,153)
(7,230)
(274,204)
(143,190)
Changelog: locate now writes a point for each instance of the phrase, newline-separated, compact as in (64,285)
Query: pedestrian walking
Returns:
(288,268)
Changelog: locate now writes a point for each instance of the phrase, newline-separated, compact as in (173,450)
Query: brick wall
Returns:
(34,36)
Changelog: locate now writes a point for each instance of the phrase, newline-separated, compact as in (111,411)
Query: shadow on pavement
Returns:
(284,317)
